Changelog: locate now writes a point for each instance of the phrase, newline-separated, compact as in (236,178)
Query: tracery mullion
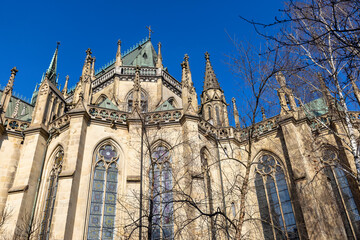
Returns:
(47,206)
(280,205)
(53,197)
(103,200)
(269,205)
(343,201)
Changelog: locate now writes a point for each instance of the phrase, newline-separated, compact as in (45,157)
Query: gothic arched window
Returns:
(103,196)
(276,210)
(343,193)
(217,111)
(51,195)
(143,103)
(161,200)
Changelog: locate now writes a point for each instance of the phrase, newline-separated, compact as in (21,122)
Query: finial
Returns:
(263,113)
(14,71)
(150,31)
(159,45)
(233,100)
(119,42)
(186,57)
(88,52)
(207,56)
(137,68)
(280,79)
(57,44)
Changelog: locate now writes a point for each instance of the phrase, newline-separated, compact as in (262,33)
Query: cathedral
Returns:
(130,153)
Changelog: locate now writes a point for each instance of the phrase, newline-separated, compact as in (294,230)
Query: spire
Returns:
(355,89)
(5,98)
(93,69)
(65,89)
(236,113)
(159,57)
(118,61)
(326,93)
(51,72)
(189,97)
(280,79)
(285,95)
(87,65)
(210,77)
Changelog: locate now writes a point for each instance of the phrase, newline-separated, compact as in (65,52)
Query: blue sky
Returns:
(29,31)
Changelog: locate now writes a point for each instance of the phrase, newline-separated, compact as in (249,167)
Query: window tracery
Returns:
(275,206)
(103,196)
(51,195)
(162,195)
(343,193)
(143,103)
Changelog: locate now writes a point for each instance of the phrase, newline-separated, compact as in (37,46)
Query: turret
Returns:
(118,61)
(86,76)
(213,103)
(189,96)
(65,89)
(236,113)
(7,93)
(159,57)
(285,94)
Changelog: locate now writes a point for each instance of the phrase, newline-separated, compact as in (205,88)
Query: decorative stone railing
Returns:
(60,122)
(171,80)
(108,114)
(103,78)
(12,124)
(143,71)
(163,116)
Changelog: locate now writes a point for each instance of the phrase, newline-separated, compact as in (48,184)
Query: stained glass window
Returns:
(275,206)
(51,195)
(162,196)
(343,194)
(103,197)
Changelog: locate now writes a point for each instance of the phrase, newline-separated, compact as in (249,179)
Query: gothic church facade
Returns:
(131,150)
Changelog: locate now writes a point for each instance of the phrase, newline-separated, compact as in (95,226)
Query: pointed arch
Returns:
(104,184)
(57,158)
(143,104)
(343,188)
(100,99)
(276,210)
(161,191)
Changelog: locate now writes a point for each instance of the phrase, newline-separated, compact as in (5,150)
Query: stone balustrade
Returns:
(12,124)
(108,114)
(163,117)
(60,122)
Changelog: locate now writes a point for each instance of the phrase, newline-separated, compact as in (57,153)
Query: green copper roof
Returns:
(107,103)
(142,54)
(24,109)
(165,106)
(316,107)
